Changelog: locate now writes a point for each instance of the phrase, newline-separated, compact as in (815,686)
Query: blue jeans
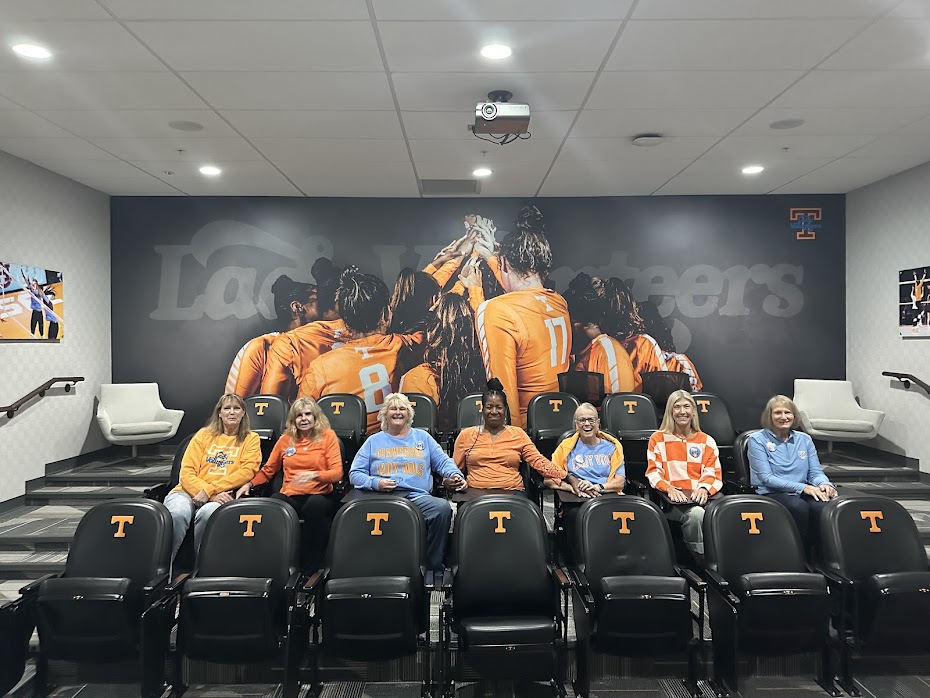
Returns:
(182,509)
(438,515)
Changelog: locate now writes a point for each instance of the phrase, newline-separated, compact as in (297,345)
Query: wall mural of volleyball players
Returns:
(914,302)
(32,303)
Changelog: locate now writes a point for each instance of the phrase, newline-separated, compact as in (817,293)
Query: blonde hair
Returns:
(668,422)
(390,401)
(770,406)
(215,425)
(305,404)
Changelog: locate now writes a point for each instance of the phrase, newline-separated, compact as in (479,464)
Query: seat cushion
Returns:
(642,586)
(508,630)
(855,426)
(762,582)
(139,428)
(898,582)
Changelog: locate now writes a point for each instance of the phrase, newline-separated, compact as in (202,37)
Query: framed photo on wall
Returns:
(914,302)
(32,303)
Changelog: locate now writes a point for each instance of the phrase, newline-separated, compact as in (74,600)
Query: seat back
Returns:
(425,413)
(174,478)
(550,414)
(267,416)
(746,534)
(469,412)
(864,535)
(628,412)
(659,385)
(741,458)
(714,417)
(825,399)
(501,560)
(373,601)
(348,417)
(130,402)
(586,386)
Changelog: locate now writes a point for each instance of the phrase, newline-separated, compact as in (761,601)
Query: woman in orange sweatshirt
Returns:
(490,454)
(308,451)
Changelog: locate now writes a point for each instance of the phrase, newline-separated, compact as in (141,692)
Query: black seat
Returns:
(467,414)
(503,597)
(92,613)
(763,600)
(425,413)
(630,598)
(631,417)
(586,386)
(741,481)
(659,385)
(239,604)
(267,417)
(370,601)
(714,417)
(548,415)
(348,417)
(873,555)
(184,560)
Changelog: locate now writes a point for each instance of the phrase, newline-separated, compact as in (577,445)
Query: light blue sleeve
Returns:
(359,475)
(815,473)
(440,461)
(761,468)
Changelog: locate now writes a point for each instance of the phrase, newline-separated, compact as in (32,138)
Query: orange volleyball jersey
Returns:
(291,353)
(605,355)
(248,368)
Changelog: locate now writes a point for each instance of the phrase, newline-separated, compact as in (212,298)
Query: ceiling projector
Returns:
(500,116)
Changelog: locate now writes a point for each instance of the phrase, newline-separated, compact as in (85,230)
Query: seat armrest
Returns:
(33,587)
(293,582)
(716,580)
(103,419)
(156,582)
(314,580)
(834,578)
(561,576)
(737,487)
(157,493)
(163,414)
(581,581)
(178,582)
(694,581)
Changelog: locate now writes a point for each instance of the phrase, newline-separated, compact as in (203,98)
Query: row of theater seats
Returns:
(504,603)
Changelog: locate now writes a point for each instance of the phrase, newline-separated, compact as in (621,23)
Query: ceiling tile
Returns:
(604,123)
(98,91)
(315,124)
(844,175)
(450,124)
(859,88)
(243,178)
(263,46)
(19,123)
(911,9)
(292,91)
(723,176)
(129,182)
(29,10)
(537,46)
(721,45)
(238,9)
(586,149)
(197,150)
(111,169)
(475,152)
(346,179)
(360,151)
(905,148)
(681,89)
(829,122)
(609,178)
(887,44)
(138,123)
(7,104)
(52,149)
(500,10)
(460,92)
(762,149)
(77,46)
(760,9)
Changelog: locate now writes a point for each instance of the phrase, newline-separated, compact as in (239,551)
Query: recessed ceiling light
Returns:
(752,169)
(496,52)
(210,170)
(482,172)
(647,139)
(185,126)
(32,51)
(784,124)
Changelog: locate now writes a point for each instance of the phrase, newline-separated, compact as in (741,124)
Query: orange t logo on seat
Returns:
(500,516)
(625,517)
(337,406)
(260,408)
(630,406)
(873,517)
(556,404)
(704,405)
(248,520)
(752,517)
(377,518)
(121,522)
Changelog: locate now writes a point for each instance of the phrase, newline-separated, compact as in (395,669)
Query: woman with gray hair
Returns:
(402,460)
(785,467)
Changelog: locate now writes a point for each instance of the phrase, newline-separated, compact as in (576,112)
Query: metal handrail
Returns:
(13,408)
(906,379)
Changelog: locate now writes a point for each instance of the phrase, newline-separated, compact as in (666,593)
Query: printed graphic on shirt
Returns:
(221,458)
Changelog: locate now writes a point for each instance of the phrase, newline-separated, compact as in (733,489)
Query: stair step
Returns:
(31,564)
(890,488)
(147,473)
(77,494)
(865,473)
(39,529)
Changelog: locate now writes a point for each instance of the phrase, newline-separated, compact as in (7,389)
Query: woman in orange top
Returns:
(490,454)
(308,451)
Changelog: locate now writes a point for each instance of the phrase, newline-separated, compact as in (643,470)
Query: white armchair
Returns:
(829,411)
(131,414)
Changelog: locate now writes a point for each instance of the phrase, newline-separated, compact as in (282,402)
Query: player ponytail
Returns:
(363,300)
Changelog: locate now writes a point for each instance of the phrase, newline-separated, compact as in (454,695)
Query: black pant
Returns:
(38,320)
(52,330)
(316,512)
(805,510)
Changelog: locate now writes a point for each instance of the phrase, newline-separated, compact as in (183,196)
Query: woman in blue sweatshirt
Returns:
(785,467)
(401,460)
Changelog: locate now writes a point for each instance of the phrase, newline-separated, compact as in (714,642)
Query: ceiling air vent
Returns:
(450,187)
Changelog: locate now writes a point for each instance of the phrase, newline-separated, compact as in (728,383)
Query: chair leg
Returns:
(825,680)
(582,682)
(41,680)
(178,686)
(690,683)
(847,682)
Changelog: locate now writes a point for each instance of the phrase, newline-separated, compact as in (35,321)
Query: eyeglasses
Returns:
(586,420)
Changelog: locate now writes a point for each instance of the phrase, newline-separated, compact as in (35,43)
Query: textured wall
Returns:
(887,230)
(53,222)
